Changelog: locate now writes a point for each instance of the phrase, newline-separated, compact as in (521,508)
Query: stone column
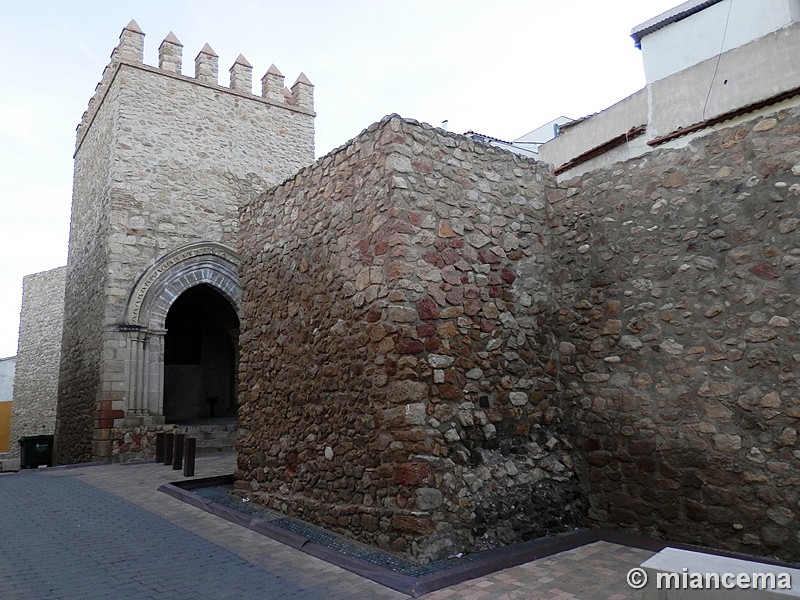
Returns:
(154,400)
(144,402)
(137,339)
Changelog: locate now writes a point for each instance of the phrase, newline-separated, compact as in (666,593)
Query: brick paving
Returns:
(106,532)
(593,572)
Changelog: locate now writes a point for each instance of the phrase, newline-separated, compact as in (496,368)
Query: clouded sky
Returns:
(499,67)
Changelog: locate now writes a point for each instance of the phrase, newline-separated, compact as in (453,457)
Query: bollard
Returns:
(177,452)
(160,447)
(190,451)
(169,444)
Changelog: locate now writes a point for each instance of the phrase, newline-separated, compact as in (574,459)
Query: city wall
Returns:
(38,356)
(677,295)
(398,371)
(440,343)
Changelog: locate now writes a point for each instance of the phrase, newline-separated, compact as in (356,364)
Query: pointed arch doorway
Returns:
(197,288)
(200,357)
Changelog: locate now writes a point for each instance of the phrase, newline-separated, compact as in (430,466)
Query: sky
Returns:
(498,67)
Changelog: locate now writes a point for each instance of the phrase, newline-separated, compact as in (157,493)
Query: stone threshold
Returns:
(444,573)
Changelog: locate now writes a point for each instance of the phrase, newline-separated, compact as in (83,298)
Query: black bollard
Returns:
(190,451)
(160,447)
(169,444)
(177,452)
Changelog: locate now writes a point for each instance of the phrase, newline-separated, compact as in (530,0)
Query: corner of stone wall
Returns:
(411,265)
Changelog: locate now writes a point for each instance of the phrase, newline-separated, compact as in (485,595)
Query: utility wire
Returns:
(719,58)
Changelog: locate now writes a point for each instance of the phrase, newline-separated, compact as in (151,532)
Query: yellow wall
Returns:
(5,425)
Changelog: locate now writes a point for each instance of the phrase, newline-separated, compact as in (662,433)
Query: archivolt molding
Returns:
(194,264)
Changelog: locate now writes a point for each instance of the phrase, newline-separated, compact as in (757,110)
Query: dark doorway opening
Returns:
(200,357)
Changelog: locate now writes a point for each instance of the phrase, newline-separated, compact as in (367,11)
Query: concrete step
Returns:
(7,463)
(208,429)
(211,437)
(213,446)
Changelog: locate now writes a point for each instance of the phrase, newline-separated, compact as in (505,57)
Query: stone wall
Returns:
(131,444)
(38,356)
(677,278)
(81,356)
(162,163)
(397,373)
(186,156)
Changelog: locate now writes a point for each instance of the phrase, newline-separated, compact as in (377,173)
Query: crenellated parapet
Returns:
(170,54)
(303,93)
(272,85)
(131,44)
(130,51)
(242,75)
(206,66)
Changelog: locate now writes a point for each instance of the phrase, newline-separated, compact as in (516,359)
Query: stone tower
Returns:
(162,163)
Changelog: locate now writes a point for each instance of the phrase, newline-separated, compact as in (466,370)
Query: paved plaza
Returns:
(106,532)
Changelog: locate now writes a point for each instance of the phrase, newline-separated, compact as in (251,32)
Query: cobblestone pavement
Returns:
(106,532)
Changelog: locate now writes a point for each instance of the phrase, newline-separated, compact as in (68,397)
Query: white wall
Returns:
(596,130)
(700,36)
(741,77)
(542,134)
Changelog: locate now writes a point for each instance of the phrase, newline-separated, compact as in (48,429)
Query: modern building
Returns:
(741,60)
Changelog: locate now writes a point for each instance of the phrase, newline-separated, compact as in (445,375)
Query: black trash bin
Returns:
(35,450)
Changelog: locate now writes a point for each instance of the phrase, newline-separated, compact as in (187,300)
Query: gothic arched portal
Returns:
(200,356)
(182,328)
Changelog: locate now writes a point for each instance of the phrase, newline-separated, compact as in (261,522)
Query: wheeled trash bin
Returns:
(35,450)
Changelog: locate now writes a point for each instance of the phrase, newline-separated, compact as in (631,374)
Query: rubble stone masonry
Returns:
(677,290)
(397,375)
(38,354)
(444,350)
